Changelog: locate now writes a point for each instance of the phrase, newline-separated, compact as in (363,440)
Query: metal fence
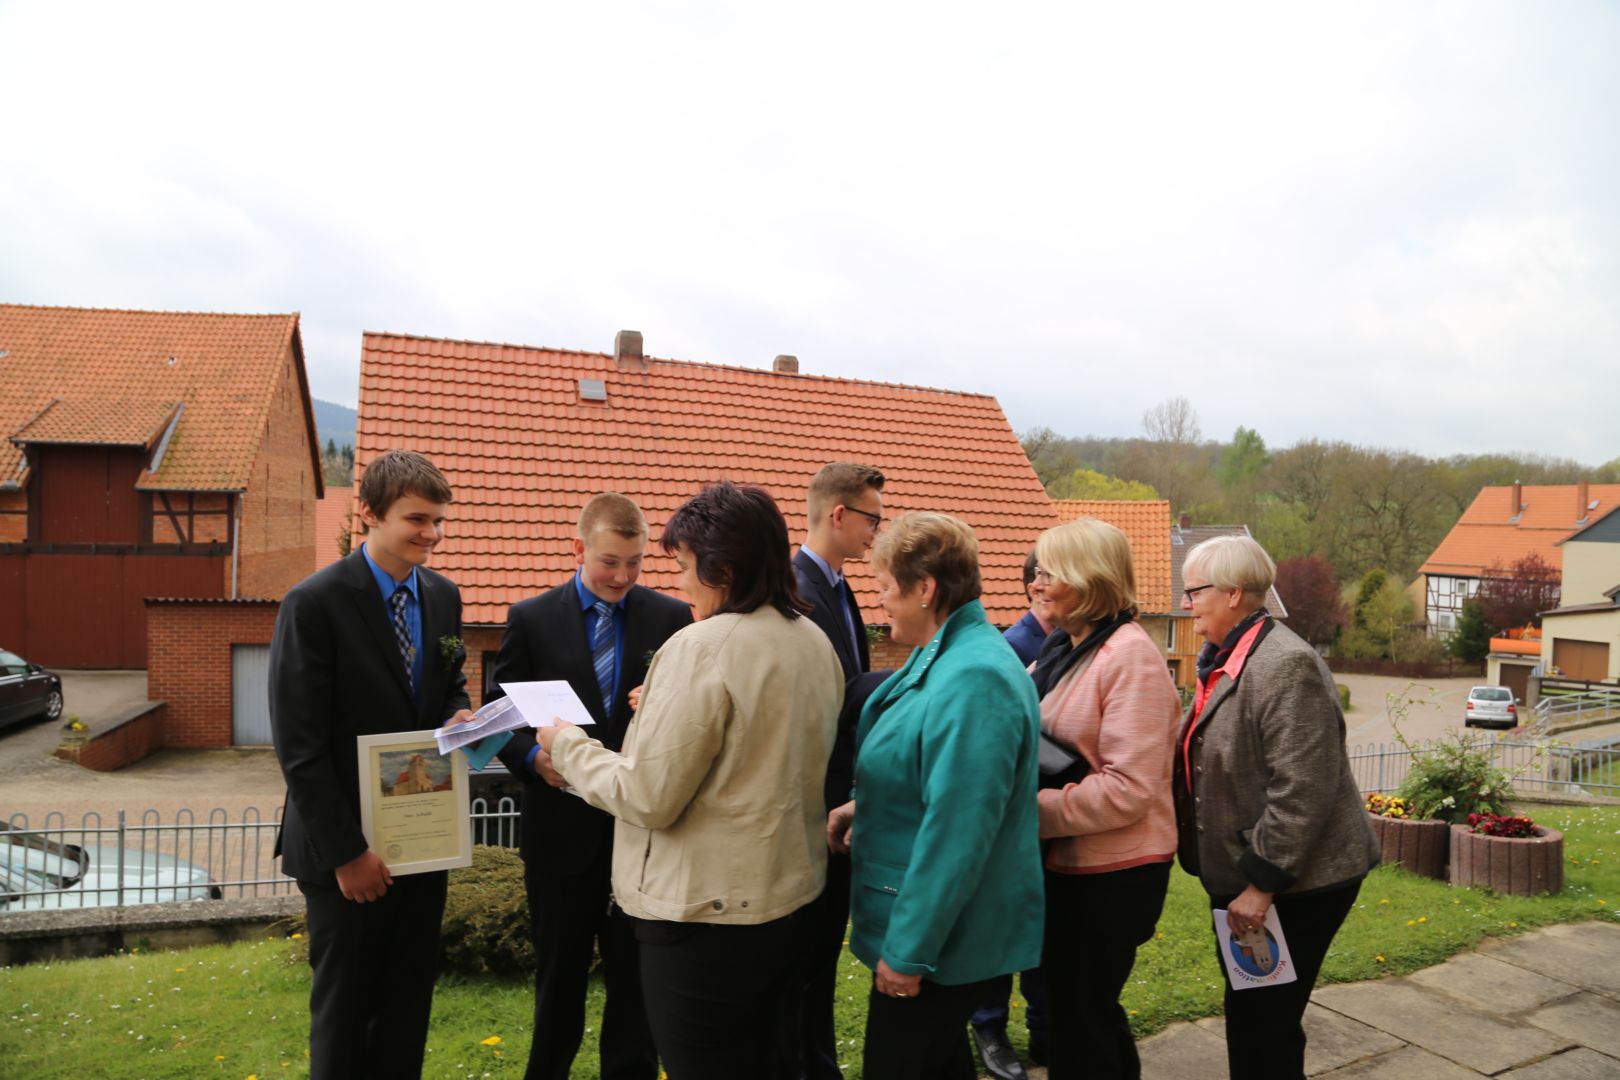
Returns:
(98,863)
(1535,766)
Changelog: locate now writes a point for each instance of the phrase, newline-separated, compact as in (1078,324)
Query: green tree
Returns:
(1472,639)
(1050,454)
(1378,614)
(1091,484)
(1244,460)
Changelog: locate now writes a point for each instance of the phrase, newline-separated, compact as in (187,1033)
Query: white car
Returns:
(38,873)
(1491,706)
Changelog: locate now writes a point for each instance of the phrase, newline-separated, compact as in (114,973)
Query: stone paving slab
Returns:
(1492,985)
(1590,1019)
(1586,954)
(1482,1041)
(1578,1064)
(1332,1040)
(1183,1052)
(1407,1063)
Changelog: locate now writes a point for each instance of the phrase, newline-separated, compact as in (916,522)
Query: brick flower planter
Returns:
(1518,866)
(1418,847)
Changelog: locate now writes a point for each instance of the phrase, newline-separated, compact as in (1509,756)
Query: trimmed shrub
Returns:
(486,918)
(1344,696)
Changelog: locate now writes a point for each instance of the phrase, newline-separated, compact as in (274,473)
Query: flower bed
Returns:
(1519,866)
(1417,846)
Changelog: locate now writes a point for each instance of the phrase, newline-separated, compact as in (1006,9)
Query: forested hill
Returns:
(1358,507)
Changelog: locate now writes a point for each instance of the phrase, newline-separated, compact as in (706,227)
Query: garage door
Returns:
(250,695)
(1582,659)
(1516,677)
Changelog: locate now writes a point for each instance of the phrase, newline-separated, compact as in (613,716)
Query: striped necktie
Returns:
(402,634)
(602,649)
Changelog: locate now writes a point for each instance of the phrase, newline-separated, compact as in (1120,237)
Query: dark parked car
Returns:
(27,691)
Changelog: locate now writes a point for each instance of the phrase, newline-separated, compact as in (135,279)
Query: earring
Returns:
(925,603)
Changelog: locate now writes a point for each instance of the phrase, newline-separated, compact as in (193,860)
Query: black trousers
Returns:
(1094,925)
(715,992)
(807,1046)
(922,1038)
(1265,1036)
(374,967)
(568,914)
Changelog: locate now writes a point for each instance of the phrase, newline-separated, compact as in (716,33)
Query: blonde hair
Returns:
(614,512)
(1232,562)
(1094,559)
(840,483)
(920,544)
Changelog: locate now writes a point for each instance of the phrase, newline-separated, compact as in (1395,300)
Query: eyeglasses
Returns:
(1043,575)
(875,519)
(1188,593)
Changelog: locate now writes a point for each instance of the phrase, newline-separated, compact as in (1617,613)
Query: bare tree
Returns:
(1173,421)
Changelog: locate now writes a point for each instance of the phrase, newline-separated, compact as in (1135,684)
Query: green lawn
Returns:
(240,1010)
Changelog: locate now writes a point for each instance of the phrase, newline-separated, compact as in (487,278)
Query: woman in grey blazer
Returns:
(1267,812)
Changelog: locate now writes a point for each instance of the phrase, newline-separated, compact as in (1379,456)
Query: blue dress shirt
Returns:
(413,611)
(1026,637)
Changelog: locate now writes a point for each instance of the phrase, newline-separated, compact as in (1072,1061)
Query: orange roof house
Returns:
(1146,524)
(1501,526)
(332,526)
(146,453)
(526,435)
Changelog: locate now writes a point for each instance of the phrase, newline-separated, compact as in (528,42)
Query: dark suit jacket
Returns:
(335,674)
(545,639)
(828,613)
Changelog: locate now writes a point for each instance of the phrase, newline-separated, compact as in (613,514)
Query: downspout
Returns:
(236,541)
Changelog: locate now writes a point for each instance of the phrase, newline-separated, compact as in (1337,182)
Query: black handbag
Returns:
(1059,765)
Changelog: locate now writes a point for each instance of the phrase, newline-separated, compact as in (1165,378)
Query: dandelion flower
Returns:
(493,1040)
(1379,958)
(1383,901)
(1423,918)
(1513,926)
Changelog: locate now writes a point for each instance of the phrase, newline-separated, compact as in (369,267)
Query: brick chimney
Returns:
(785,365)
(627,351)
(1518,500)
(1581,494)
(1186,521)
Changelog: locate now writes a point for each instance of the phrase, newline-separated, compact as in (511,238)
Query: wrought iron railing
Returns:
(100,863)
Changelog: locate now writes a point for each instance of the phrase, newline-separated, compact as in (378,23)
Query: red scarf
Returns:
(1234,668)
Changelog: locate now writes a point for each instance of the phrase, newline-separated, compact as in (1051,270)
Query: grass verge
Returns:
(239,1011)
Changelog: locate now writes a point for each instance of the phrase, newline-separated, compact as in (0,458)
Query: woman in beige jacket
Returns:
(1106,693)
(721,835)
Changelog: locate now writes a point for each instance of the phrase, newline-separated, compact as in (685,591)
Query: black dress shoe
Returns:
(1000,1059)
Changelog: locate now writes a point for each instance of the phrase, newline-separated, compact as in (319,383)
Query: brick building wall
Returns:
(277,543)
(13,517)
(188,663)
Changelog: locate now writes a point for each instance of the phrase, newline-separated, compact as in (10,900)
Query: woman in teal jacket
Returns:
(945,847)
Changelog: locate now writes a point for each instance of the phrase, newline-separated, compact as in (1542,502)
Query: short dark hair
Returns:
(397,473)
(839,484)
(740,540)
(1031,564)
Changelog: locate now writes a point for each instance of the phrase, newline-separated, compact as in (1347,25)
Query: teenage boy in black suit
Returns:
(598,630)
(845,513)
(367,646)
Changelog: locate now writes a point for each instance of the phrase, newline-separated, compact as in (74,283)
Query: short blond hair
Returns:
(614,512)
(1232,562)
(839,484)
(920,544)
(1094,559)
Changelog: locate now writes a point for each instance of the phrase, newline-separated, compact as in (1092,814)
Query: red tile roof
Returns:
(1487,535)
(331,516)
(1146,524)
(104,377)
(523,452)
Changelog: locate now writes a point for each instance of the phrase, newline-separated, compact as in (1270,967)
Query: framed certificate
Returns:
(414,807)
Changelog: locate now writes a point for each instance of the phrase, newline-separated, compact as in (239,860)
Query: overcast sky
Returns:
(1391,223)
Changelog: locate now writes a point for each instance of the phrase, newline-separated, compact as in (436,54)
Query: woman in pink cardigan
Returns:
(1105,692)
